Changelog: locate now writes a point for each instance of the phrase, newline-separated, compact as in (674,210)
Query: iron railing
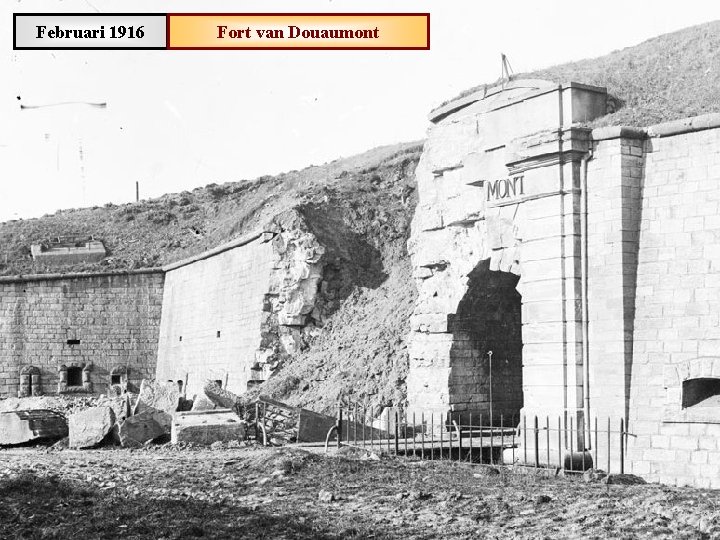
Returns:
(566,442)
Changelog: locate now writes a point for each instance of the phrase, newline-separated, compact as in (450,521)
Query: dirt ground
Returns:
(282,493)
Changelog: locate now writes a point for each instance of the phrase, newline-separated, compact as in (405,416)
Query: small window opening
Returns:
(218,333)
(74,376)
(115,379)
(180,385)
(180,338)
(704,392)
(73,342)
(218,382)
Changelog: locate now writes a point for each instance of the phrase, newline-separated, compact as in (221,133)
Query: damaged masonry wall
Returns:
(235,313)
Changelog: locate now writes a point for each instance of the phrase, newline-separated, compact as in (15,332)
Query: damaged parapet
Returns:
(68,250)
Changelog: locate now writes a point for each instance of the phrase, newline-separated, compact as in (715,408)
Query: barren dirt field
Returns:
(280,493)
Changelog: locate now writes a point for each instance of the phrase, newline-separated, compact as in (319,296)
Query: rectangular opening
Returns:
(74,376)
(73,342)
(115,379)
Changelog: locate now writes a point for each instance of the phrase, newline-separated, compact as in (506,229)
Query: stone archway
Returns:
(487,320)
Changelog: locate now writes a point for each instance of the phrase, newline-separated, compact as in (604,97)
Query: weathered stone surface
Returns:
(120,406)
(141,428)
(202,403)
(207,427)
(121,312)
(20,427)
(158,396)
(89,428)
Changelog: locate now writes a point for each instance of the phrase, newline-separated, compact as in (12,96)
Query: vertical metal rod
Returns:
(595,461)
(355,425)
(491,392)
(471,437)
(525,438)
(536,438)
(347,426)
(559,430)
(432,436)
(422,435)
(502,437)
(413,432)
(572,458)
(460,437)
(364,422)
(339,426)
(397,432)
(492,439)
(608,445)
(547,440)
(584,440)
(442,449)
(513,440)
(482,443)
(387,423)
(450,434)
(622,446)
(372,427)
(405,433)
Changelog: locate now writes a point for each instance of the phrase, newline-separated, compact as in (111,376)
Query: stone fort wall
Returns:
(212,315)
(613,238)
(107,321)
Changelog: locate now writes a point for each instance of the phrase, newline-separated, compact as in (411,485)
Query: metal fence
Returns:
(565,442)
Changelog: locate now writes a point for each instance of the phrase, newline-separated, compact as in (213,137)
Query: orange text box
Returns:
(299,31)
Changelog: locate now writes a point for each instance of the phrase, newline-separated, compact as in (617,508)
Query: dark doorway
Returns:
(488,318)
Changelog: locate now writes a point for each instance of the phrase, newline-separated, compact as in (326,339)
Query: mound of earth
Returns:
(666,78)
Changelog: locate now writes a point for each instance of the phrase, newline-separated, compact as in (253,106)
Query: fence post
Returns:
(525,438)
(608,445)
(536,437)
(622,446)
(397,432)
(339,426)
(560,434)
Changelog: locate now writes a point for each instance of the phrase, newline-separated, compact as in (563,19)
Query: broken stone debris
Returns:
(19,427)
(141,428)
(204,428)
(158,396)
(90,427)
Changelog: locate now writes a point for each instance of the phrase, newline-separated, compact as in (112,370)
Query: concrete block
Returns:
(207,427)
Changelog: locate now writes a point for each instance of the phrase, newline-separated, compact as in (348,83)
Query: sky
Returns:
(176,120)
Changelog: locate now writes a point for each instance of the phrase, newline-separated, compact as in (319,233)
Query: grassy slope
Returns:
(158,231)
(665,78)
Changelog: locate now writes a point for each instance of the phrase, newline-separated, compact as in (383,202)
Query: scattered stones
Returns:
(325,496)
(543,499)
(20,427)
(140,428)
(90,427)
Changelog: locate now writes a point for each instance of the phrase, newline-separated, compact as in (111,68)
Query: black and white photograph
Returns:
(359,269)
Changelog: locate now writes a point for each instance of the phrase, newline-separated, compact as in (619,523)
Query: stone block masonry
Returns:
(588,260)
(96,322)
